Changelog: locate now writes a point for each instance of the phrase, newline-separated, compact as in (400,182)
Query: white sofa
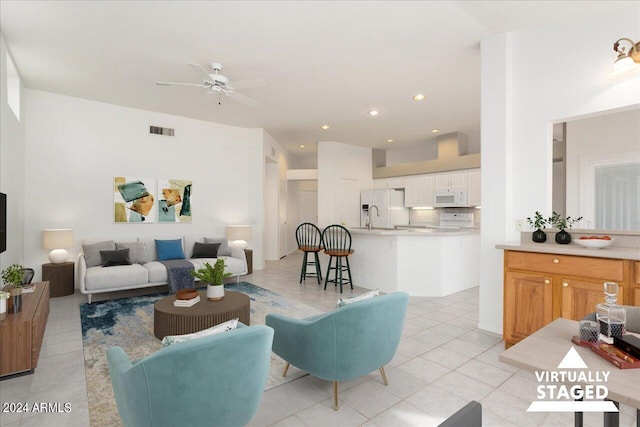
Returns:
(147,271)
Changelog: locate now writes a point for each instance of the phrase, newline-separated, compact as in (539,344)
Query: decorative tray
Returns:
(610,353)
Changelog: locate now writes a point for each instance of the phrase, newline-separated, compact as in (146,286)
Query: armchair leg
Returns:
(384,376)
(286,368)
(335,395)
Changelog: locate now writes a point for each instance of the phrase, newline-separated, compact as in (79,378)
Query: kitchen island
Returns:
(421,262)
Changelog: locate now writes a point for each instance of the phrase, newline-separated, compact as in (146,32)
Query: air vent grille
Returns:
(157,130)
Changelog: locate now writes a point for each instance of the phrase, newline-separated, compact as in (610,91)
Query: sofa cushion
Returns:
(149,244)
(367,295)
(224,249)
(205,250)
(119,276)
(91,252)
(188,242)
(169,249)
(157,271)
(117,257)
(137,254)
(229,325)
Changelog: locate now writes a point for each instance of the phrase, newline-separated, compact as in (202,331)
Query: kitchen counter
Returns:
(421,262)
(573,249)
(415,232)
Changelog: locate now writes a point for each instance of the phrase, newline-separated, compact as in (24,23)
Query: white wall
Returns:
(595,138)
(529,81)
(337,161)
(12,168)
(427,150)
(75,147)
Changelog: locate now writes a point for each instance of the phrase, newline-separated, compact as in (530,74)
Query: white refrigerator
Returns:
(390,204)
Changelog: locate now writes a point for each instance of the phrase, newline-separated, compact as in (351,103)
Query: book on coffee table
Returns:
(186,302)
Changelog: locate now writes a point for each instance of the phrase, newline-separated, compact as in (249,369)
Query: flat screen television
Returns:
(3,222)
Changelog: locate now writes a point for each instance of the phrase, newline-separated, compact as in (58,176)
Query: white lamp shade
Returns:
(238,235)
(57,240)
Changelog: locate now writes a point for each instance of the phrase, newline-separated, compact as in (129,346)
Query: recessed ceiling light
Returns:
(325,127)
(419,97)
(301,146)
(373,112)
(435,130)
(389,140)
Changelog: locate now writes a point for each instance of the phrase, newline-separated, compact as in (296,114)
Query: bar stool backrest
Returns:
(336,238)
(308,236)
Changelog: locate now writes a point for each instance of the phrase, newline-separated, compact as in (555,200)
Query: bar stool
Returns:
(309,240)
(337,244)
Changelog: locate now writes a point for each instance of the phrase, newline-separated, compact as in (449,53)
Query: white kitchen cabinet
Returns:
(419,191)
(451,181)
(473,187)
(389,183)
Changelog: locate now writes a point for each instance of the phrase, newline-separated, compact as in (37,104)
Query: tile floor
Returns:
(442,363)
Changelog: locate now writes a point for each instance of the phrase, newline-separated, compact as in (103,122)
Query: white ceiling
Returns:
(323,62)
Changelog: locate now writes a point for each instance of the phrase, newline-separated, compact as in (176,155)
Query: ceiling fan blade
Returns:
(241,98)
(247,84)
(180,84)
(200,69)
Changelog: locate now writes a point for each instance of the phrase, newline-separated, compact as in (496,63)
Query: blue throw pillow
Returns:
(169,249)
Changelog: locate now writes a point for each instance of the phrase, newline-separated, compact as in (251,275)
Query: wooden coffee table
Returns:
(170,320)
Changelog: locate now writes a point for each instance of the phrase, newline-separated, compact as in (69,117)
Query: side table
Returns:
(248,253)
(60,278)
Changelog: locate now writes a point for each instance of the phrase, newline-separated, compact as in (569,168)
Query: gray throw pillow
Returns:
(224,249)
(137,254)
(92,252)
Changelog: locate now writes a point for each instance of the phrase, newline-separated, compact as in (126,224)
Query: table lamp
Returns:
(238,235)
(57,240)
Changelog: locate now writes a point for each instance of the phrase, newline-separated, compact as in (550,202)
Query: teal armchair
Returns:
(343,344)
(212,381)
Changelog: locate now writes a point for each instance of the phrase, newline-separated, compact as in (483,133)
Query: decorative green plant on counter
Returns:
(212,275)
(538,222)
(562,223)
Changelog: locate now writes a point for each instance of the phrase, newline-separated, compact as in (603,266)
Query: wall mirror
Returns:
(596,169)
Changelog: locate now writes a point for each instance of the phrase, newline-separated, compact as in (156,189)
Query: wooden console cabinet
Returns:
(21,334)
(540,287)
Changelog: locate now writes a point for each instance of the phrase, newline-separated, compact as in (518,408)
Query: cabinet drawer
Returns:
(596,268)
(636,272)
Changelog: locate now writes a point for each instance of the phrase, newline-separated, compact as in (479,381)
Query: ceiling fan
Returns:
(216,83)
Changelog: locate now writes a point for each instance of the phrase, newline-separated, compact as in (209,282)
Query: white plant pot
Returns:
(215,293)
(3,305)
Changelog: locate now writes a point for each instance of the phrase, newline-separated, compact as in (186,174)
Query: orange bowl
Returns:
(186,294)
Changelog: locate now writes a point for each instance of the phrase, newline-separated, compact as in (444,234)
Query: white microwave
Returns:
(450,199)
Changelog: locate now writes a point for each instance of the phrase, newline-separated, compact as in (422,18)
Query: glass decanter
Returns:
(611,317)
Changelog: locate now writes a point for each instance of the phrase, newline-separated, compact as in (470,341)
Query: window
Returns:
(13,87)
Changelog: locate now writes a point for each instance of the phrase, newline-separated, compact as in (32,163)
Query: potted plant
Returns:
(13,277)
(562,236)
(213,276)
(538,222)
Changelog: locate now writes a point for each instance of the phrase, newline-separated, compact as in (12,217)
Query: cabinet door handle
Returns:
(565,284)
(556,260)
(546,281)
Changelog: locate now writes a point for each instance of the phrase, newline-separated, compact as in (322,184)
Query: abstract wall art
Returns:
(134,200)
(174,200)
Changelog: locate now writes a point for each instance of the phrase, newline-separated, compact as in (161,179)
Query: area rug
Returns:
(128,323)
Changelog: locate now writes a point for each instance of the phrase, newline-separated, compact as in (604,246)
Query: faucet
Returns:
(370,217)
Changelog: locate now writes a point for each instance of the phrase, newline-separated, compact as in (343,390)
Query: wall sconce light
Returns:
(626,60)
